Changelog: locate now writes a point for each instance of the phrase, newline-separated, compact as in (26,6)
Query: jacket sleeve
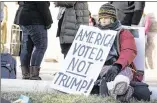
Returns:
(138,11)
(128,49)
(64,4)
(147,24)
(43,8)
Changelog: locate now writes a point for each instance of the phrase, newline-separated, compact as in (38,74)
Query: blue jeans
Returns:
(34,37)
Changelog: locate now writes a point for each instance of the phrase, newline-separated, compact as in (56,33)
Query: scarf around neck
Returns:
(114,26)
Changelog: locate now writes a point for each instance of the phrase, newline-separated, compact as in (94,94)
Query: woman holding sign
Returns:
(71,16)
(117,67)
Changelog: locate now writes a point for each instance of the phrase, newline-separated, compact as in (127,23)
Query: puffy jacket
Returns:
(75,14)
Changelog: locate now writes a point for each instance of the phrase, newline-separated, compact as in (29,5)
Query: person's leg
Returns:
(65,48)
(100,86)
(30,50)
(26,51)
(38,34)
(122,88)
(122,81)
(127,96)
(39,38)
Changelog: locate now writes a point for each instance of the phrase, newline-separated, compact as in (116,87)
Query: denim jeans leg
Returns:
(27,47)
(38,34)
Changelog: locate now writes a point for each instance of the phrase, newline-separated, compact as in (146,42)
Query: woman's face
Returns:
(105,21)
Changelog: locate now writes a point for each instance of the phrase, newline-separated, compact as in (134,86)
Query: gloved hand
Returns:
(113,72)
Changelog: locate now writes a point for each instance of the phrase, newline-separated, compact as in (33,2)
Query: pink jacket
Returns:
(145,22)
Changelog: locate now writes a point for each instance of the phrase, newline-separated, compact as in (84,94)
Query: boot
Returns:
(25,72)
(34,73)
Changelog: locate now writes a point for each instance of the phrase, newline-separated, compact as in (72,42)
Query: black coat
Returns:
(129,12)
(33,13)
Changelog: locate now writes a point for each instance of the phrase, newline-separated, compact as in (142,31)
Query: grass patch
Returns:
(62,98)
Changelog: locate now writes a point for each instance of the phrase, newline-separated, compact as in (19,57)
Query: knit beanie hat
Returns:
(107,10)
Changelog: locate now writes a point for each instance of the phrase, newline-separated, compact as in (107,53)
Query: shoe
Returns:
(25,72)
(127,96)
(120,88)
(34,73)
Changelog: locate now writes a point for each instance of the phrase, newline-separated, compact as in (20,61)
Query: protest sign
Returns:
(84,60)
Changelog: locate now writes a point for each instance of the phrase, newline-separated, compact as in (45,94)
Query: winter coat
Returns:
(75,14)
(129,12)
(127,50)
(33,13)
(123,50)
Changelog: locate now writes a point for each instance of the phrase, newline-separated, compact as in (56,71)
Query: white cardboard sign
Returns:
(84,60)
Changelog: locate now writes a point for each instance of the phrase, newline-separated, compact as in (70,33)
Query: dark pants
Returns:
(65,48)
(34,37)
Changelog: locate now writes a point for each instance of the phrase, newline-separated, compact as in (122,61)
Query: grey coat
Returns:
(75,14)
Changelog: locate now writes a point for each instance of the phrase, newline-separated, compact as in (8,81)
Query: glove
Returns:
(113,72)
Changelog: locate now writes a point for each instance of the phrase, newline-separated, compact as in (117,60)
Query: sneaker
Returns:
(120,88)
(127,96)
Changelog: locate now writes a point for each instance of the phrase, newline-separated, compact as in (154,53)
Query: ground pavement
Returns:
(47,74)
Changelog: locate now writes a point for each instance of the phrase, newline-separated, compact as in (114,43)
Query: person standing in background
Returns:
(71,16)
(34,19)
(92,21)
(129,12)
